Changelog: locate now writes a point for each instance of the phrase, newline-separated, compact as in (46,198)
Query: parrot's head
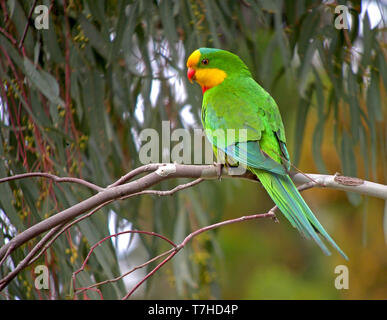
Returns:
(210,67)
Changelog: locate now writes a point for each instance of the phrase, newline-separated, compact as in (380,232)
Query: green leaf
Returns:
(213,28)
(50,41)
(167,19)
(93,99)
(354,106)
(367,41)
(181,269)
(349,166)
(306,38)
(305,67)
(282,41)
(267,63)
(319,94)
(44,82)
(373,98)
(98,42)
(382,64)
(302,113)
(6,198)
(125,25)
(363,142)
(318,137)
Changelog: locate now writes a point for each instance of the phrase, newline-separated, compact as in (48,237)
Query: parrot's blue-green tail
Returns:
(286,196)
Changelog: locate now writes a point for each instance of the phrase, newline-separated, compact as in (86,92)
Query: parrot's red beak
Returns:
(191,74)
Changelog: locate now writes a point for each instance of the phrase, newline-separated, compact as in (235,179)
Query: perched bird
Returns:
(232,99)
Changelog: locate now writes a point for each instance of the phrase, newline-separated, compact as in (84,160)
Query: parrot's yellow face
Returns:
(203,72)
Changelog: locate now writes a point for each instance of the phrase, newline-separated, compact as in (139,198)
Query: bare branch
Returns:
(27,24)
(123,188)
(130,175)
(167,192)
(343,183)
(54,178)
(80,290)
(269,214)
(103,197)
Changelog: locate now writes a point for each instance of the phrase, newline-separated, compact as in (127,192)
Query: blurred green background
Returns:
(76,96)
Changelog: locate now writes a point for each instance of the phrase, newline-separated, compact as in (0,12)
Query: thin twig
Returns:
(150,274)
(166,192)
(64,228)
(151,233)
(54,178)
(49,238)
(27,24)
(22,264)
(157,192)
(130,175)
(8,35)
(42,245)
(126,273)
(269,214)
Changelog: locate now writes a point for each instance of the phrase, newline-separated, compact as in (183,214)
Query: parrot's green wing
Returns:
(243,104)
(250,154)
(250,111)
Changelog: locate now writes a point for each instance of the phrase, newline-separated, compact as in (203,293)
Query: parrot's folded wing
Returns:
(250,154)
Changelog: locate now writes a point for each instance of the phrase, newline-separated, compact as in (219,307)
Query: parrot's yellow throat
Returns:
(207,77)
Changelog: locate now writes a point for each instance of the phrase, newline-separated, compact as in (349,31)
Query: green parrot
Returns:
(232,99)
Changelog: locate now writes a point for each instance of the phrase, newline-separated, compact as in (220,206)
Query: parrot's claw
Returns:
(219,169)
(274,217)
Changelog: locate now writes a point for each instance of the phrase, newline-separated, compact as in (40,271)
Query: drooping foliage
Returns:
(75,97)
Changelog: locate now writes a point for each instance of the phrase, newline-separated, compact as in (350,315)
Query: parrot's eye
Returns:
(205,61)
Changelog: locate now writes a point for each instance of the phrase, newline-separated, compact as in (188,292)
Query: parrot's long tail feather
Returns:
(286,196)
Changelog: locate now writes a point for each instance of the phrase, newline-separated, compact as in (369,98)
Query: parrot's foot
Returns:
(219,169)
(274,217)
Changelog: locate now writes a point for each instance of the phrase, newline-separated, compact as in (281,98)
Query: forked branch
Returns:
(132,184)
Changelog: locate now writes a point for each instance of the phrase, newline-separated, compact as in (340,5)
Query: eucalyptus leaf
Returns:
(44,82)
